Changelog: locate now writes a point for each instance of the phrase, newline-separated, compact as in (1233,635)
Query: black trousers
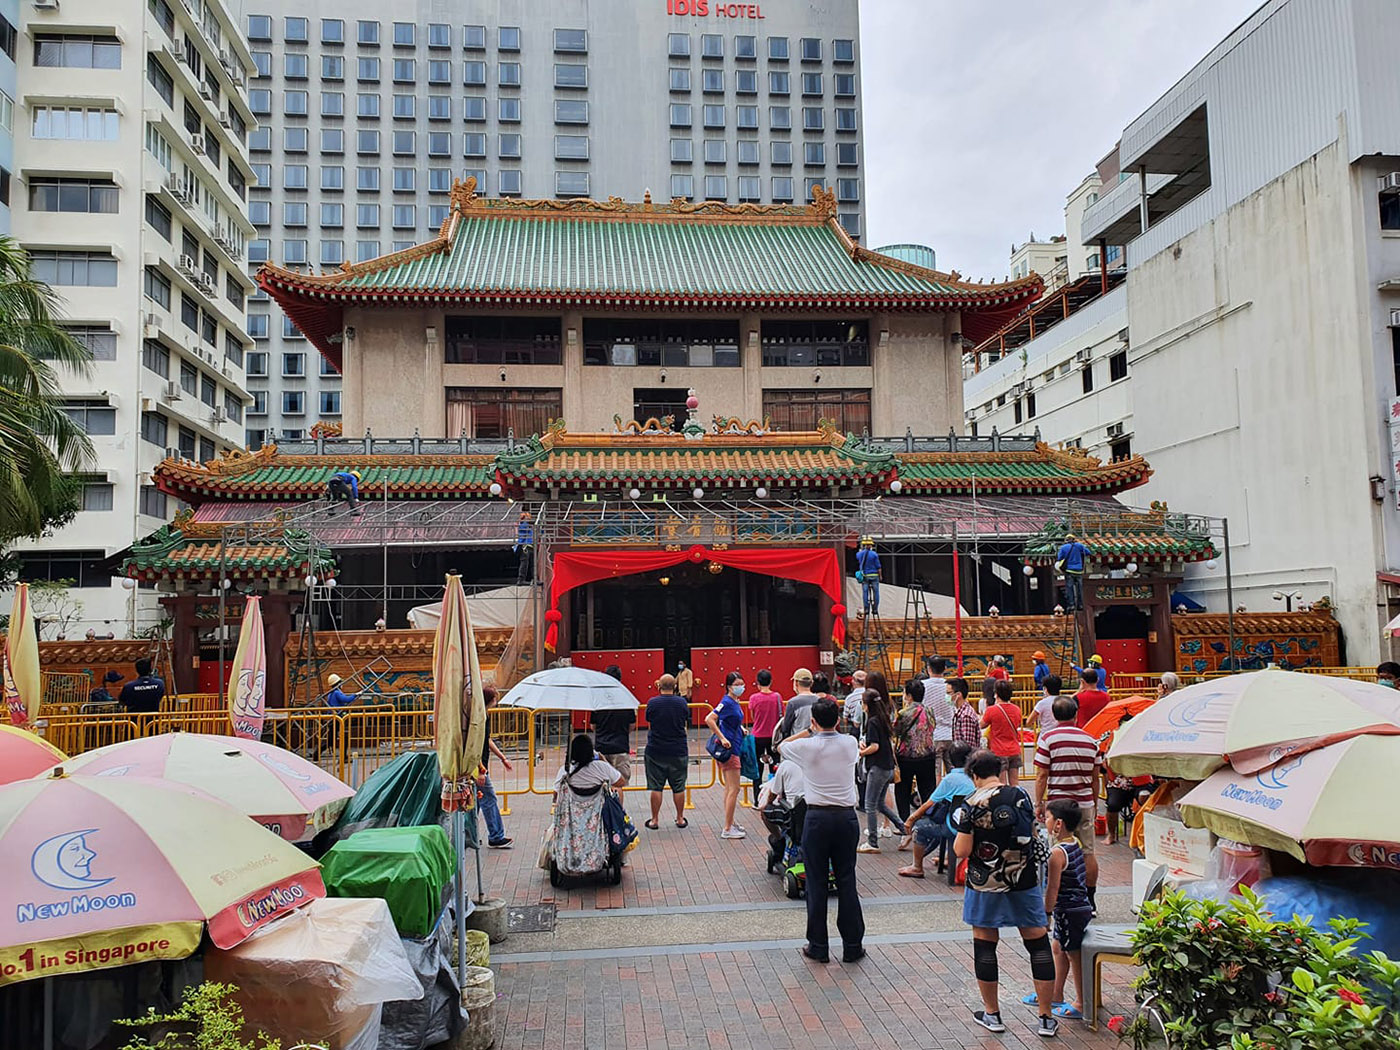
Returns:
(829,838)
(922,770)
(525,570)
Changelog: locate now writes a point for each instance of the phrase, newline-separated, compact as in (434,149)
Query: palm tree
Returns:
(41,448)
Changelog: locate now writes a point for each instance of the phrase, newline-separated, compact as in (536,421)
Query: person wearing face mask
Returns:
(1388,674)
(726,721)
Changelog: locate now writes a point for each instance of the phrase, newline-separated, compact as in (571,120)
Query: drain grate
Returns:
(531,918)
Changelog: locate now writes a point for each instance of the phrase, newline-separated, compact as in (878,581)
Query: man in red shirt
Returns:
(1068,766)
(1091,698)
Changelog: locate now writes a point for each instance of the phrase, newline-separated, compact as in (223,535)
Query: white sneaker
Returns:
(732,833)
(866,847)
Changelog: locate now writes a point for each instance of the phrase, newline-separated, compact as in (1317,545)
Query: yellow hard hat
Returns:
(1096,659)
(866,541)
(355,474)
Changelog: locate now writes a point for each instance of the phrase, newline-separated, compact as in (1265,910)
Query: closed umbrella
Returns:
(1107,721)
(107,871)
(571,689)
(1325,807)
(247,682)
(21,672)
(283,792)
(22,754)
(1249,721)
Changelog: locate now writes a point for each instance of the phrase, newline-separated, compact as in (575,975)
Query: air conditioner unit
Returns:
(219,415)
(1115,430)
(148,404)
(1388,183)
(172,390)
(177,189)
(206,284)
(224,119)
(150,320)
(1395,318)
(173,53)
(197,144)
(188,266)
(1018,389)
(1084,356)
(46,5)
(171,452)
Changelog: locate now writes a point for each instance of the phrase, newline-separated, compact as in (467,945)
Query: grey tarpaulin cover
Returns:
(438,1016)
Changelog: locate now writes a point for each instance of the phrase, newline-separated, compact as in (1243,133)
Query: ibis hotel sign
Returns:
(713,7)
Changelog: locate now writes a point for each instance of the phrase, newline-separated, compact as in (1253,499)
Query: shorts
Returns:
(1022,908)
(1084,834)
(621,762)
(733,762)
(928,834)
(1070,926)
(663,770)
(1120,799)
(1011,763)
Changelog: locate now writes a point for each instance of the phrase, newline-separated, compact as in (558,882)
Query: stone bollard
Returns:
(479,1000)
(489,916)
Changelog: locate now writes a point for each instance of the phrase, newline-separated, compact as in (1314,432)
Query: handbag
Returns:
(718,751)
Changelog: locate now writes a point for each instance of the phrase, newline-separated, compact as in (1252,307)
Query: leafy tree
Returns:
(41,448)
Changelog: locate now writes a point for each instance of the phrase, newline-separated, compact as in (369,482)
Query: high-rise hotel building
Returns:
(129,187)
(368,113)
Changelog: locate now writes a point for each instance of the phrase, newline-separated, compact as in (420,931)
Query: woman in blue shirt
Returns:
(726,721)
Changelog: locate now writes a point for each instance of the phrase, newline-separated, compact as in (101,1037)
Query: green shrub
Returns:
(208,1018)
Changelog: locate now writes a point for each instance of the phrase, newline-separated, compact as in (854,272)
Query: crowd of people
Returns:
(942,771)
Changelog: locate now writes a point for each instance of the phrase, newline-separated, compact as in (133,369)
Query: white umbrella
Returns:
(571,689)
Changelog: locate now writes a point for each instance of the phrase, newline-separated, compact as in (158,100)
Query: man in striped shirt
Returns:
(1068,766)
(940,708)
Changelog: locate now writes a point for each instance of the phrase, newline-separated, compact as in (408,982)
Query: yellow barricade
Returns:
(74,734)
(64,690)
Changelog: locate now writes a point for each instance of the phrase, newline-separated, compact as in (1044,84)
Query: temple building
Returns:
(647,434)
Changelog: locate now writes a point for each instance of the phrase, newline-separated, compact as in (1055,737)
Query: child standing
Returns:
(1067,903)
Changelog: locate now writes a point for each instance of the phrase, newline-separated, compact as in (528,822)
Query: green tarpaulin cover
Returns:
(408,867)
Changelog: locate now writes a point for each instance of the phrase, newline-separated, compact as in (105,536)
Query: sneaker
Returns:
(732,833)
(991,1022)
(866,847)
(500,843)
(1048,1027)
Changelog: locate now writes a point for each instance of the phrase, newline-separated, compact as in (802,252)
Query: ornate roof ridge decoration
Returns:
(1209,623)
(323,429)
(1155,535)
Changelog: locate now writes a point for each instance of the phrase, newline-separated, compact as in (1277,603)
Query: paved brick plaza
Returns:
(699,948)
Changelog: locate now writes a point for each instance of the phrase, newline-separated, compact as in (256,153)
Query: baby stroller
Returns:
(785,846)
(587,838)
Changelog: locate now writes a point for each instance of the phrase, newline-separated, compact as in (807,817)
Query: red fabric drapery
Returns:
(816,565)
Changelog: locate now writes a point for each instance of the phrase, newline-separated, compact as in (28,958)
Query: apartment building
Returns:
(9,41)
(131,175)
(367,118)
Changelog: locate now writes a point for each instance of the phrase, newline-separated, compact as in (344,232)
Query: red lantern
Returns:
(697,554)
(838,610)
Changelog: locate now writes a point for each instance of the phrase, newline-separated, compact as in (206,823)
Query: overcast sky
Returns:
(982,115)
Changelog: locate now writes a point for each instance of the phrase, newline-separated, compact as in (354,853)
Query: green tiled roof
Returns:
(433,477)
(1149,537)
(1048,470)
(169,552)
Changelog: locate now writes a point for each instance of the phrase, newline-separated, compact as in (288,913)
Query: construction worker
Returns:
(345,485)
(1070,560)
(868,575)
(525,548)
(1096,665)
(1041,669)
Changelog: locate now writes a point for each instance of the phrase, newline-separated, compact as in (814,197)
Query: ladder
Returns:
(873,654)
(918,630)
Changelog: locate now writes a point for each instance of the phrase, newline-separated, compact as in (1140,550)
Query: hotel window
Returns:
(332,31)
(405,143)
(474,74)
(680,115)
(294,140)
(294,251)
(154,428)
(711,45)
(439,35)
(367,216)
(330,402)
(812,84)
(508,38)
(843,51)
(834,344)
(332,67)
(745,47)
(747,151)
(750,188)
(439,107)
(262,64)
(405,70)
(715,151)
(571,184)
(294,103)
(474,144)
(1118,366)
(258,251)
(474,109)
(332,215)
(847,154)
(781,153)
(367,33)
(366,142)
(746,82)
(570,147)
(813,118)
(712,81)
(779,82)
(77,52)
(571,40)
(782,190)
(99,340)
(439,144)
(680,79)
(257,360)
(403,34)
(570,111)
(97,495)
(682,151)
(333,177)
(156,357)
(810,186)
(508,146)
(714,116)
(259,27)
(153,501)
(332,104)
(259,100)
(405,216)
(485,412)
(75,125)
(845,118)
(293,402)
(367,106)
(678,45)
(779,118)
(365,250)
(508,110)
(509,181)
(570,75)
(332,140)
(293,213)
(474,38)
(778,48)
(439,180)
(848,190)
(1087,378)
(78,195)
(367,70)
(845,85)
(296,31)
(811,49)
(716,187)
(332,253)
(94,417)
(814,154)
(801,409)
(439,72)
(405,180)
(508,74)
(295,66)
(683,186)
(76,269)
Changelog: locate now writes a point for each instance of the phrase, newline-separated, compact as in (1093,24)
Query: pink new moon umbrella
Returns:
(22,754)
(107,871)
(282,791)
